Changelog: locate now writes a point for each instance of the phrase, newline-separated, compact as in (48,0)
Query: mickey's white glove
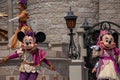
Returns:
(16,18)
(95,47)
(19,51)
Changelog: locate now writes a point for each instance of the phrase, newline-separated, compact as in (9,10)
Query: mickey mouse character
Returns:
(31,55)
(107,67)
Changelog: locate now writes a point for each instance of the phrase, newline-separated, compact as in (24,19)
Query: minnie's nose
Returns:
(109,42)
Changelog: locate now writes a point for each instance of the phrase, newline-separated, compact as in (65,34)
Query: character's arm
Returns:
(21,15)
(95,47)
(18,53)
(16,18)
(117,53)
(96,50)
(49,63)
(15,55)
(95,68)
(96,65)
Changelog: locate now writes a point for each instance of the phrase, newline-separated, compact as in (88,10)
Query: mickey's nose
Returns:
(27,43)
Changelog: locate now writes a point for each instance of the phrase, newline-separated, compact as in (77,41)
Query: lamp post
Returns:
(86,36)
(71,22)
(85,25)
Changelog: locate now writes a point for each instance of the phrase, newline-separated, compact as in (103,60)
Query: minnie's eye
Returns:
(107,40)
(111,39)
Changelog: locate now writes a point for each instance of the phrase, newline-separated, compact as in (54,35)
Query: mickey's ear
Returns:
(20,36)
(40,37)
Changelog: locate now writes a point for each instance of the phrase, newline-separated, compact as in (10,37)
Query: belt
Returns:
(31,64)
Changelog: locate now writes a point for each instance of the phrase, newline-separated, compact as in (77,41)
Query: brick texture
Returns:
(48,16)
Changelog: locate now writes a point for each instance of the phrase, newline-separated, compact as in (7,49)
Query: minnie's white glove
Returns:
(96,65)
(95,47)
(16,18)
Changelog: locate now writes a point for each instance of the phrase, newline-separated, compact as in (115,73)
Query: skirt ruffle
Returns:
(108,72)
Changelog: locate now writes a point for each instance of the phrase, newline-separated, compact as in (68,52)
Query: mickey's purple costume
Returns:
(31,55)
(29,71)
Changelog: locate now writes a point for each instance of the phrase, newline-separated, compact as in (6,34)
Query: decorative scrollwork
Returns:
(91,35)
(4,35)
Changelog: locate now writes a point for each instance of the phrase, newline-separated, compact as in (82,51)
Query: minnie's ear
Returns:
(20,36)
(40,37)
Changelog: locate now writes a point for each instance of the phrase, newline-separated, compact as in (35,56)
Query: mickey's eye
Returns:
(30,41)
(25,40)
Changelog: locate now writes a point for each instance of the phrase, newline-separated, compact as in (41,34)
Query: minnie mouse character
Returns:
(31,55)
(107,67)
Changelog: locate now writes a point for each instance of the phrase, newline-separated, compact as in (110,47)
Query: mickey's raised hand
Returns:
(4,60)
(52,67)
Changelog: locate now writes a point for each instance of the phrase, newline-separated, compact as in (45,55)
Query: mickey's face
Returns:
(28,42)
(108,41)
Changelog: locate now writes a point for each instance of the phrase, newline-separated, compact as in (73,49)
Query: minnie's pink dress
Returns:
(108,68)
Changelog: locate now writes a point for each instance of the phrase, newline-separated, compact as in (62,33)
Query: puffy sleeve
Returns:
(39,56)
(117,53)
(42,54)
(15,55)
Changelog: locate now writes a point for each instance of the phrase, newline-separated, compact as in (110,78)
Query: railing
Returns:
(4,37)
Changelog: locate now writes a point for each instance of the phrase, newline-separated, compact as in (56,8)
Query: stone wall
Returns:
(109,10)
(48,16)
(3,20)
(3,9)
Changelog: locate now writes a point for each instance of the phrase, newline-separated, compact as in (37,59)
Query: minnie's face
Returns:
(108,41)
(28,43)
